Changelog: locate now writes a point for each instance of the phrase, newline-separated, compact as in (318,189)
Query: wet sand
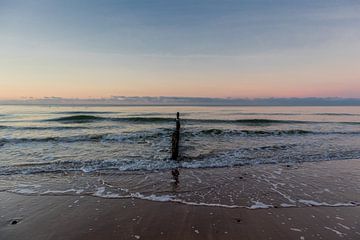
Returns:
(79,217)
(302,201)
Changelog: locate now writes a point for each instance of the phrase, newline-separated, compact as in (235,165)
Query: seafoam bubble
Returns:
(260,205)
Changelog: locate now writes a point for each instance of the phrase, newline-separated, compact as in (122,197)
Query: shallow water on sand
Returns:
(327,183)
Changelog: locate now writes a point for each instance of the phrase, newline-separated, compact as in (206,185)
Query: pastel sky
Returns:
(199,48)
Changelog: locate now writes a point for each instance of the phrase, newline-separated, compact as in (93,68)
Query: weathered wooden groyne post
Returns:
(176,139)
(175,149)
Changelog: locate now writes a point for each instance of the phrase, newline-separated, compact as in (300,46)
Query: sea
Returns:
(81,149)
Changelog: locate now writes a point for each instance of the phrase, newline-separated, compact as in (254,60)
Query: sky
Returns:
(187,48)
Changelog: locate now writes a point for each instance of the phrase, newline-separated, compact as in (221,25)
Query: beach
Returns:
(244,173)
(179,120)
(332,212)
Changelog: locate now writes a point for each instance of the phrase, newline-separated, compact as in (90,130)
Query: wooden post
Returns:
(175,139)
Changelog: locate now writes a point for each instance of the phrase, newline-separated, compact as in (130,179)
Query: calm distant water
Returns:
(42,139)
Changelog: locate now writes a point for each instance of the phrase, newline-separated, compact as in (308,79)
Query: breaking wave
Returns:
(256,121)
(43,127)
(83,112)
(215,131)
(105,137)
(163,132)
(226,159)
(77,119)
(91,118)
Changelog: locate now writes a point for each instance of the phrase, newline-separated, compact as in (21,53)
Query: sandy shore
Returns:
(79,217)
(301,201)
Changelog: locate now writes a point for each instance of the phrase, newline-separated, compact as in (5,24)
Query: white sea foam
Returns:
(153,197)
(314,203)
(259,205)
(171,198)
(29,185)
(100,192)
(206,204)
(87,169)
(287,205)
(77,191)
(23,191)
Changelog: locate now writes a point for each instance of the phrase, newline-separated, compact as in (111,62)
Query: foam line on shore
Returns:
(102,193)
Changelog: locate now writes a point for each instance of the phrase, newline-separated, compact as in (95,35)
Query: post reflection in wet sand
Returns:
(175,182)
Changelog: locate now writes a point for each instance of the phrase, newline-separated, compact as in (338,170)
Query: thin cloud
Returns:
(188,101)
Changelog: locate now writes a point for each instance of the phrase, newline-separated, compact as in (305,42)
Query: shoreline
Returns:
(327,183)
(63,214)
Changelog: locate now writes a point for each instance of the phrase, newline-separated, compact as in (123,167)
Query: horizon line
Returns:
(185,101)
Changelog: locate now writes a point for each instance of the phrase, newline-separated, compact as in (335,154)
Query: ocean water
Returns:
(123,151)
(37,139)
